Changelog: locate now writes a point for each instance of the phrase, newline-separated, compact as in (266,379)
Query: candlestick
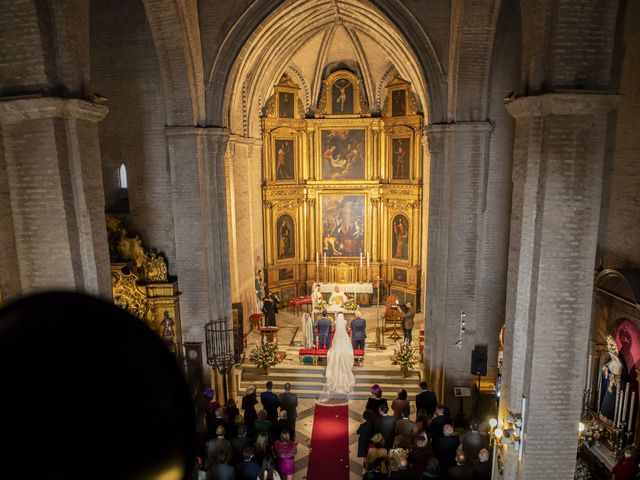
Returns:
(619,413)
(626,401)
(599,388)
(589,371)
(360,258)
(367,259)
(633,401)
(615,408)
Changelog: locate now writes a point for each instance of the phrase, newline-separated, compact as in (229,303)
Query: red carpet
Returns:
(329,458)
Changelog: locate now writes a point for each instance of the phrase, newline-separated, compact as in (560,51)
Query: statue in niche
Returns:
(611,378)
(166,331)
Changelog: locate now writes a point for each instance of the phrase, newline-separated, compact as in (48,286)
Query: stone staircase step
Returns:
(308,380)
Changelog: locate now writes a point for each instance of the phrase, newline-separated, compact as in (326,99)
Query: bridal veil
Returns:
(339,376)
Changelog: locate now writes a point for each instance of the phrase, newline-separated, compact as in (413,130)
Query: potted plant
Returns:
(264,355)
(405,356)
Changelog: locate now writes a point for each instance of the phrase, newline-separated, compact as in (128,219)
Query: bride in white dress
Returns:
(339,374)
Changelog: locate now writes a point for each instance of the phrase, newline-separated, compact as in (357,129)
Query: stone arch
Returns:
(176,36)
(391,23)
(471,48)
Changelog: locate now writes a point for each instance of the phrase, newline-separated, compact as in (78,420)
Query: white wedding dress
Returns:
(339,381)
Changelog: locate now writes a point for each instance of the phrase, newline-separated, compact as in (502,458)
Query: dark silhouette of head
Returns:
(98,380)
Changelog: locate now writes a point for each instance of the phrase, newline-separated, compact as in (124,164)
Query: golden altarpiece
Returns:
(141,285)
(342,189)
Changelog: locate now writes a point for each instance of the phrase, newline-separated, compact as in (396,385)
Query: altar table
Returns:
(347,287)
(332,313)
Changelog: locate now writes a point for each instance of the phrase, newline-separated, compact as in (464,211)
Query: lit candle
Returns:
(633,402)
(317,259)
(626,401)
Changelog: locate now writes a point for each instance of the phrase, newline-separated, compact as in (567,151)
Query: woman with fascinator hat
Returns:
(375,401)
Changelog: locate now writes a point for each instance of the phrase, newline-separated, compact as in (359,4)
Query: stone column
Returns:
(557,183)
(196,158)
(458,161)
(52,197)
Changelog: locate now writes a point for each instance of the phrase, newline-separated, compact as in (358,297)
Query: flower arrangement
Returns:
(350,305)
(582,471)
(320,305)
(593,432)
(264,355)
(405,356)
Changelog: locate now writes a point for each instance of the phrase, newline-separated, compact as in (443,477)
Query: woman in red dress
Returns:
(285,450)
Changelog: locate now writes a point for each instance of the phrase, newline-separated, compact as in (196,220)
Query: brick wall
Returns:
(619,227)
(122,55)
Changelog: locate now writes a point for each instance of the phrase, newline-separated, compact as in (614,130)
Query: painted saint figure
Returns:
(401,237)
(399,159)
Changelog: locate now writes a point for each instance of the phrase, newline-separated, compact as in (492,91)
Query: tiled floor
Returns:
(289,340)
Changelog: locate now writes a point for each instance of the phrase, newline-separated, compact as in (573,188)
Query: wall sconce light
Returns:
(506,432)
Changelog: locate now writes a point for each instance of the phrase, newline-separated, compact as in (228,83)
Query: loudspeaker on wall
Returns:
(479,361)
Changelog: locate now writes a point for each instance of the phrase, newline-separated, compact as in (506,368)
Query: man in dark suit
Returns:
(482,466)
(446,447)
(219,447)
(289,402)
(386,425)
(324,331)
(407,321)
(239,443)
(473,441)
(247,469)
(460,471)
(221,471)
(440,419)
(270,402)
(358,331)
(426,400)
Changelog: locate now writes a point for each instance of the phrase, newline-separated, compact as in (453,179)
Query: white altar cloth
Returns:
(347,287)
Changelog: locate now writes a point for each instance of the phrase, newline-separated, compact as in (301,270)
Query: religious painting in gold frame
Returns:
(284,155)
(285,237)
(286,104)
(342,96)
(343,153)
(400,275)
(343,224)
(400,229)
(398,103)
(400,153)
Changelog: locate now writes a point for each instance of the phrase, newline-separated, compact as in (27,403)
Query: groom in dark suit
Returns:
(358,331)
(324,331)
(270,403)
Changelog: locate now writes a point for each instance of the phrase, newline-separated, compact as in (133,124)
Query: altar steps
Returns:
(307,380)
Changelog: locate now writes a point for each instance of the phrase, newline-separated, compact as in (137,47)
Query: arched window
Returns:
(122,176)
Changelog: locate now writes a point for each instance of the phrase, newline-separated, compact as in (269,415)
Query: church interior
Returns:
(230,173)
